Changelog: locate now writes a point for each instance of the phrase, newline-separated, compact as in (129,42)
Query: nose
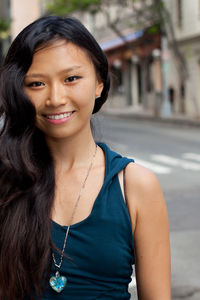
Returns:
(56,95)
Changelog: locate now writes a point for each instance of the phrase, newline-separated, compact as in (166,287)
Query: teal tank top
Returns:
(100,248)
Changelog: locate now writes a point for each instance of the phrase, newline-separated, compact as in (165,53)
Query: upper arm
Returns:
(149,219)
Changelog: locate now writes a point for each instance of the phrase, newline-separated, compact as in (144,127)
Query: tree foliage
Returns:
(65,7)
(143,11)
(4,28)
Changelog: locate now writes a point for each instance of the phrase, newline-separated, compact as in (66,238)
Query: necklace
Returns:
(59,282)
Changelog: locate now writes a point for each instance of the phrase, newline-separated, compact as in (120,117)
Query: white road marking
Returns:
(156,168)
(176,162)
(163,159)
(133,288)
(133,282)
(152,166)
(193,156)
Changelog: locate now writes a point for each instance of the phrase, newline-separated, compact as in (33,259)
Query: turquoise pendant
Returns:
(58,282)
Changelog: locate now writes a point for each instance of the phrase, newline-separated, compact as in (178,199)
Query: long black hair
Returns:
(27,178)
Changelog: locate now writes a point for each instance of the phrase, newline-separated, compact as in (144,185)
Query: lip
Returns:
(59,121)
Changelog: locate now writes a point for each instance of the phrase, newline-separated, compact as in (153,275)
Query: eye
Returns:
(72,78)
(35,84)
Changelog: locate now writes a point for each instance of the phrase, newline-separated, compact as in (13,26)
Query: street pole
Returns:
(165,107)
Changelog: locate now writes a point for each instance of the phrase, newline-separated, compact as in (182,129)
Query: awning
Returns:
(114,43)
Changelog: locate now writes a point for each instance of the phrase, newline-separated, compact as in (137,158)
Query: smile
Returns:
(59,118)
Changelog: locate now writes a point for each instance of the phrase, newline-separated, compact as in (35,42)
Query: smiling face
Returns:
(62,84)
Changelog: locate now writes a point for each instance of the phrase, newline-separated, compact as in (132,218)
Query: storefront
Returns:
(134,69)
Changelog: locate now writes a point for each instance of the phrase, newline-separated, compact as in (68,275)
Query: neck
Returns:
(72,152)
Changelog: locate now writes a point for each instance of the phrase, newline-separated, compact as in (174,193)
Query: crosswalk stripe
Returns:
(164,159)
(176,162)
(152,166)
(193,156)
(133,282)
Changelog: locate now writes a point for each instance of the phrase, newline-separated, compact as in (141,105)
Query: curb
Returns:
(148,117)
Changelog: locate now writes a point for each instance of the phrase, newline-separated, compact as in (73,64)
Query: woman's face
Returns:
(62,84)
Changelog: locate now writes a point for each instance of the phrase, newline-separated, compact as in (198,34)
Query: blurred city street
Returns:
(172,152)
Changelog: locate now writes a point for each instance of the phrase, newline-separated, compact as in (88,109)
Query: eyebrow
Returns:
(33,75)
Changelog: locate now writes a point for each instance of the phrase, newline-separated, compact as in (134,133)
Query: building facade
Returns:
(185,17)
(138,62)
(22,13)
(134,61)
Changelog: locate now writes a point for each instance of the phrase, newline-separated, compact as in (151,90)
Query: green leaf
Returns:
(153,29)
(4,28)
(65,7)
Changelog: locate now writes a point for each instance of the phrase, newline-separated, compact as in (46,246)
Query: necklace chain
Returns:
(73,213)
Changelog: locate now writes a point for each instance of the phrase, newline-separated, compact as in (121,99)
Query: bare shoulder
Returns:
(144,193)
(139,172)
(141,181)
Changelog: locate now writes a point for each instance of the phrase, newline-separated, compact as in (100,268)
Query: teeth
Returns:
(58,117)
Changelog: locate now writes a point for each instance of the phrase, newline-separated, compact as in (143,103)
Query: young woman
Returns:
(71,223)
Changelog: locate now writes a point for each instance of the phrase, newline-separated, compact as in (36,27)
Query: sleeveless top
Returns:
(99,248)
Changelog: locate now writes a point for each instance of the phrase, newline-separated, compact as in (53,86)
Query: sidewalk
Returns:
(132,113)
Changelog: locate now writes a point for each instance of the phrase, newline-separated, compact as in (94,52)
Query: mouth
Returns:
(58,118)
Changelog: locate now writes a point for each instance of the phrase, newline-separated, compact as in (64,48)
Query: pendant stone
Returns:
(58,282)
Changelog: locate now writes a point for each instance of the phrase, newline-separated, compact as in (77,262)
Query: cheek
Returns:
(86,95)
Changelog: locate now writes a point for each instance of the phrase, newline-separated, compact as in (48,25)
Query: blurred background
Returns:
(153,111)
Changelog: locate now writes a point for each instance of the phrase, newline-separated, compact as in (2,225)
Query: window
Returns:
(179,6)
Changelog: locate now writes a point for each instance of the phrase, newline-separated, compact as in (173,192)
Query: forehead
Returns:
(60,52)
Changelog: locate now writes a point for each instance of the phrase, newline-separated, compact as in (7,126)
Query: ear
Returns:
(99,87)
